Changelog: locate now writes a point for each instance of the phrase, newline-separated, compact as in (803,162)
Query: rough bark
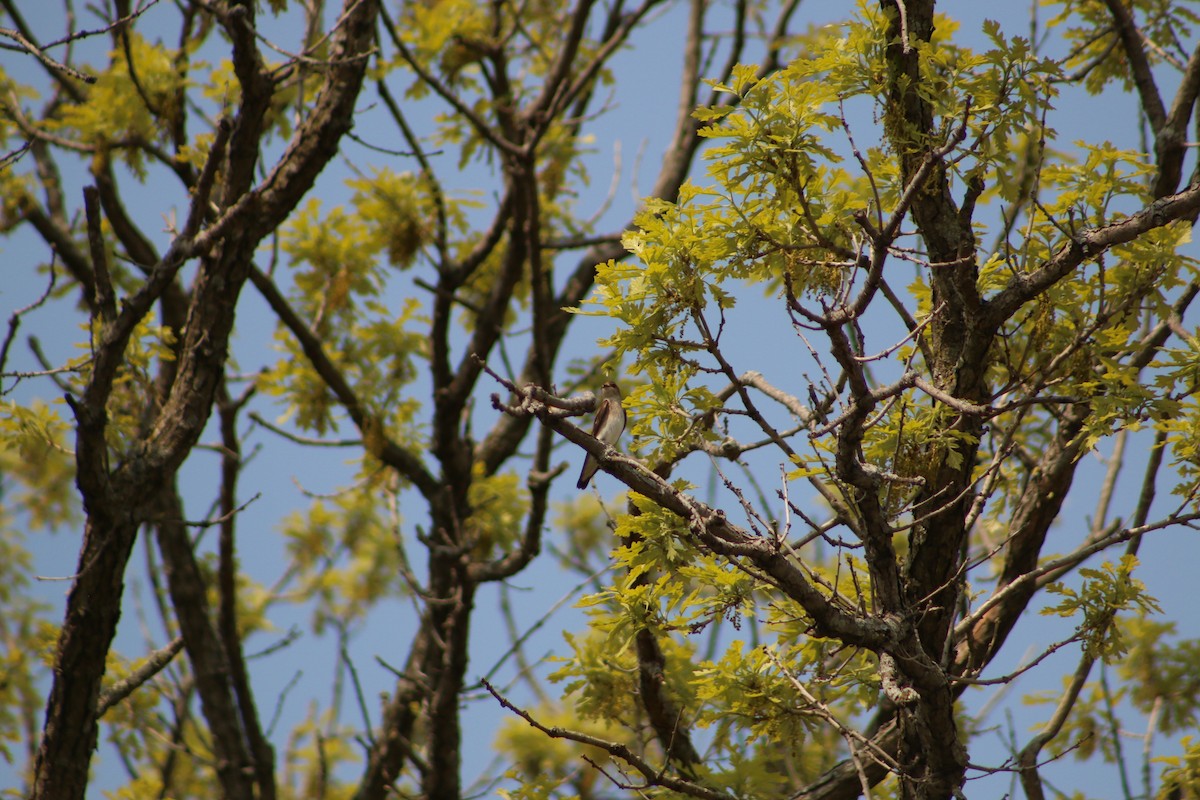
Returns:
(118,488)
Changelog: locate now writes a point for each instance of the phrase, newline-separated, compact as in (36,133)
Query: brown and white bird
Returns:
(607,427)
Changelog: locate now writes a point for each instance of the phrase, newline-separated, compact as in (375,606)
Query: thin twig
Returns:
(654,776)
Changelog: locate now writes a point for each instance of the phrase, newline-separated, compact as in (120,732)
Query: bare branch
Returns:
(1086,245)
(653,776)
(155,663)
(52,65)
(1143,76)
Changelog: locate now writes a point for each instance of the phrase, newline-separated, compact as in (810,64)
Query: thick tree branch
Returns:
(210,663)
(715,532)
(1087,245)
(1143,75)
(1170,143)
(259,746)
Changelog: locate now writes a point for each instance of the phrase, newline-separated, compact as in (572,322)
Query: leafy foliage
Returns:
(873,323)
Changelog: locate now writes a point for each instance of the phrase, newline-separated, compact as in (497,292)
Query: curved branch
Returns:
(714,530)
(1085,246)
(1170,144)
(653,776)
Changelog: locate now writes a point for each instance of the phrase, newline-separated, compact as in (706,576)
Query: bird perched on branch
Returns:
(607,427)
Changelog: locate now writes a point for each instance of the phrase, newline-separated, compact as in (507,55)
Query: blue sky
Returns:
(643,108)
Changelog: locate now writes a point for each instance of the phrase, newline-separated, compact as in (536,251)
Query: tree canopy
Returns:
(905,370)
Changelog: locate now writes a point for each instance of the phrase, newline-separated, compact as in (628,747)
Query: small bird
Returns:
(607,427)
